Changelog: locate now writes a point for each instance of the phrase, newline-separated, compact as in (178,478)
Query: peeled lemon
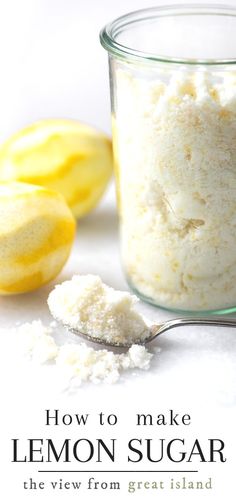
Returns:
(37,229)
(64,155)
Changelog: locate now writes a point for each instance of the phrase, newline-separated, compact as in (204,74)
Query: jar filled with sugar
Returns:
(173,94)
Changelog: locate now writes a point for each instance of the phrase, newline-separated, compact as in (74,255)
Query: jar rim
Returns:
(110,31)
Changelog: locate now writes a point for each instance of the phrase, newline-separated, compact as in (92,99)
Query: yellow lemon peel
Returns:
(37,230)
(64,155)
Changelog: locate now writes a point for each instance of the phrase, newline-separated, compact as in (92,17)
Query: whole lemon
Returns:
(64,155)
(37,230)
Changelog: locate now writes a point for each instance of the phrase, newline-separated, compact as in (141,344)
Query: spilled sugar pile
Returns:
(77,360)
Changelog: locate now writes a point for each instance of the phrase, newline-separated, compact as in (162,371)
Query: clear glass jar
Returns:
(173,89)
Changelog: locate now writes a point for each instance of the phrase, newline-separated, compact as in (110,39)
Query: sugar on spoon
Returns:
(89,308)
(157,329)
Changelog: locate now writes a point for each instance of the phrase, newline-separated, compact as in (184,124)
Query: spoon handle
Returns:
(227,322)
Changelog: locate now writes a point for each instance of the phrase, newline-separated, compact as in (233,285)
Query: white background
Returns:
(52,65)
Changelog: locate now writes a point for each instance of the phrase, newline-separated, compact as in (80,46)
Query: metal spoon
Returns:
(158,329)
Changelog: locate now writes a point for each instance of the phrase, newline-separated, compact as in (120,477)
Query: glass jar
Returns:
(173,93)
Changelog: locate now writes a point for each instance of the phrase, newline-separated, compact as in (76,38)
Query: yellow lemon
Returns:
(37,229)
(63,155)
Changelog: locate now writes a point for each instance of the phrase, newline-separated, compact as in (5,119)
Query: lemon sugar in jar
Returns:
(173,93)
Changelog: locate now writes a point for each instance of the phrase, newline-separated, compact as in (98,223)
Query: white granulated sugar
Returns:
(88,364)
(87,304)
(175,145)
(35,340)
(138,357)
(96,366)
(78,362)
(92,307)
